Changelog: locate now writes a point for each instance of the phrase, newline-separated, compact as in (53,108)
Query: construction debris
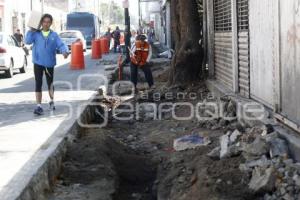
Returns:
(215,153)
(228,160)
(263,180)
(167,54)
(190,142)
(256,149)
(224,142)
(278,147)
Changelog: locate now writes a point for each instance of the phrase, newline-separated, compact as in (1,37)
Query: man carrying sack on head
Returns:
(140,55)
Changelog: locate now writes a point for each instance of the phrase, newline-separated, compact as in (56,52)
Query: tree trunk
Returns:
(186,29)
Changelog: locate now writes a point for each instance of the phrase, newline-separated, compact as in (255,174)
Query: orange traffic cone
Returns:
(100,49)
(77,57)
(95,49)
(104,45)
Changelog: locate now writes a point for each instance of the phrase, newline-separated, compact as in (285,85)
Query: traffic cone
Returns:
(104,45)
(100,49)
(95,49)
(77,57)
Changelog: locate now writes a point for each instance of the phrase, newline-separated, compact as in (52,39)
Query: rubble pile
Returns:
(274,174)
(227,118)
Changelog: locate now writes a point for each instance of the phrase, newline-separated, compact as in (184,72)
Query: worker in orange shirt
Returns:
(140,55)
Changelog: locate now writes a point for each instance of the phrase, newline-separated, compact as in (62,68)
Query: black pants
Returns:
(134,74)
(116,45)
(38,74)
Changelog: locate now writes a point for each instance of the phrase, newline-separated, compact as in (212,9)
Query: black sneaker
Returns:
(51,105)
(38,111)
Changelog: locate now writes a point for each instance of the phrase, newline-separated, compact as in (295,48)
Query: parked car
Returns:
(12,56)
(71,36)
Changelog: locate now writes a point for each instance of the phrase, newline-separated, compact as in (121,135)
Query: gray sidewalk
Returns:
(25,139)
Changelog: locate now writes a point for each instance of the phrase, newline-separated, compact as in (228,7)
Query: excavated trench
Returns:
(135,160)
(98,166)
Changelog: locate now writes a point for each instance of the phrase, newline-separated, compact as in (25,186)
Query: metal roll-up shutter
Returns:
(223,42)
(243,46)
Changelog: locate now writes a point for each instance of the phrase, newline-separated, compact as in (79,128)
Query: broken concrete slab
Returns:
(234,136)
(234,150)
(296,178)
(256,149)
(271,136)
(263,180)
(262,162)
(224,142)
(278,147)
(215,153)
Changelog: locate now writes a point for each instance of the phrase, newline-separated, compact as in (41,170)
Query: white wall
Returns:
(15,8)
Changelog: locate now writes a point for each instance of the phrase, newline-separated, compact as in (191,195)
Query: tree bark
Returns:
(186,29)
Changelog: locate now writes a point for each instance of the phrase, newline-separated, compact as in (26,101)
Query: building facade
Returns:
(14,14)
(158,14)
(254,51)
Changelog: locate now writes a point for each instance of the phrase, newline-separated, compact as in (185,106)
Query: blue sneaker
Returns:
(38,111)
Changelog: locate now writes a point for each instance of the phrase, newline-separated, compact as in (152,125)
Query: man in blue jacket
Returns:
(45,44)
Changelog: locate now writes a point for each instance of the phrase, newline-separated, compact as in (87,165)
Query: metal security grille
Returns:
(243,42)
(243,14)
(222,12)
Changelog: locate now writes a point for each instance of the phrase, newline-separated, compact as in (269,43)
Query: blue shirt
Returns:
(45,48)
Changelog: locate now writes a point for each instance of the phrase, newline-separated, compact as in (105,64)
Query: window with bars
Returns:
(243,15)
(222,12)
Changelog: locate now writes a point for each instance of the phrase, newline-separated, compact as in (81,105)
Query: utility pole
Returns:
(127,30)
(42,6)
(140,18)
